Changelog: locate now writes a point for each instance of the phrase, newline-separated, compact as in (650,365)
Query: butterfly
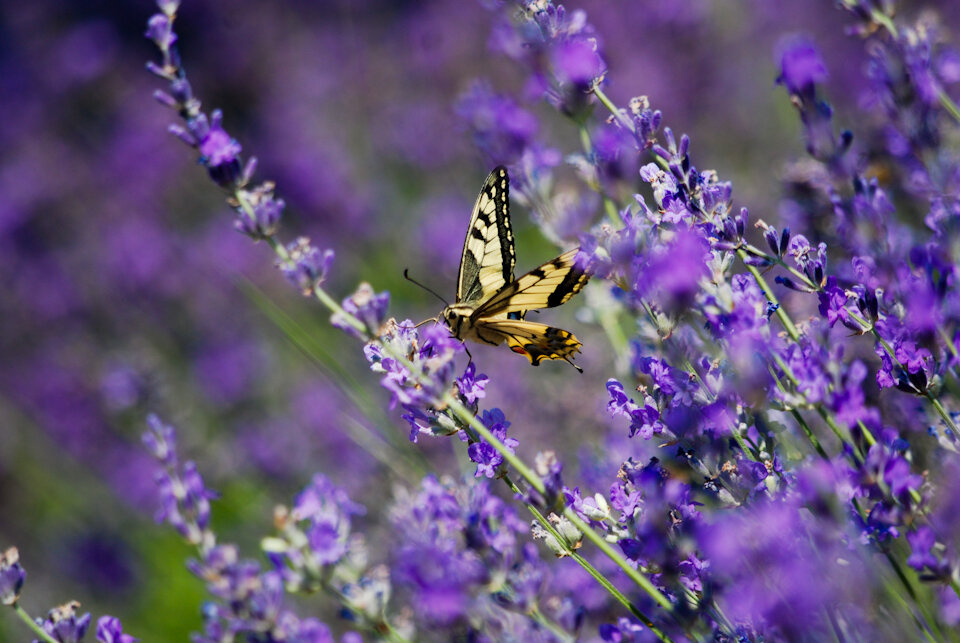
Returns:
(491,304)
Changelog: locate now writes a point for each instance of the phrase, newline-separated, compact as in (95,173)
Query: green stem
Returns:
(949,105)
(39,631)
(771,297)
(613,109)
(555,629)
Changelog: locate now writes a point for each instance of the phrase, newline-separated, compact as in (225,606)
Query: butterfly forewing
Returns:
(550,285)
(488,251)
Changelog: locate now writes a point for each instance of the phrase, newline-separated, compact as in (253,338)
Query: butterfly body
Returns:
(491,304)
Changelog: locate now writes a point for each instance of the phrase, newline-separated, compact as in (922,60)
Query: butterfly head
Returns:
(455,317)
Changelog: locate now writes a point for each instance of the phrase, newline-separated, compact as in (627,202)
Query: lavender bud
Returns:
(742,220)
(539,533)
(770,235)
(872,304)
(158,71)
(265,219)
(165,99)
(307,266)
(567,529)
(671,141)
(784,240)
(63,625)
(160,31)
(789,283)
(248,170)
(183,135)
(181,90)
(160,439)
(110,630)
(220,153)
(367,306)
(12,576)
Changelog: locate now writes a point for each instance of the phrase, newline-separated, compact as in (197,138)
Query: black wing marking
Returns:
(550,285)
(488,251)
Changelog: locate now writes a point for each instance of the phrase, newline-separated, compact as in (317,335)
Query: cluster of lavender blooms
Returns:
(249,602)
(749,410)
(460,566)
(785,477)
(64,623)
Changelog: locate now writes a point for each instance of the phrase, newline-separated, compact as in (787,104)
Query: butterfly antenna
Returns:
(407,276)
(428,319)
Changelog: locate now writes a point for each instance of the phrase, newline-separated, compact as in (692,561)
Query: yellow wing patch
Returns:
(552,284)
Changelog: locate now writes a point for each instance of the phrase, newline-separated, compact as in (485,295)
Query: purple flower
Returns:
(848,400)
(160,31)
(307,265)
(833,301)
(326,509)
(487,458)
(806,363)
(922,541)
(646,420)
(456,538)
(800,65)
(897,474)
(367,306)
(620,403)
(501,128)
(265,218)
(471,385)
(770,560)
(110,630)
(672,272)
(63,624)
(577,62)
(219,152)
(12,575)
(184,498)
(625,631)
(663,375)
(217,146)
(160,439)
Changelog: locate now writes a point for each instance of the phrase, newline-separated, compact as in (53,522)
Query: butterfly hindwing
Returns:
(488,251)
(550,285)
(536,341)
